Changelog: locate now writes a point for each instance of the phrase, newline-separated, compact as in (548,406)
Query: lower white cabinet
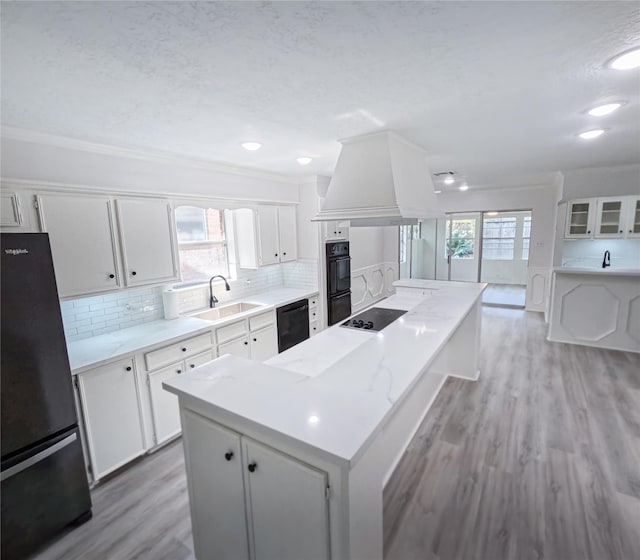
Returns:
(263,344)
(255,339)
(112,416)
(246,496)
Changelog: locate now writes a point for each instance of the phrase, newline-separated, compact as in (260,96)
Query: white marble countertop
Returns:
(99,350)
(609,271)
(333,391)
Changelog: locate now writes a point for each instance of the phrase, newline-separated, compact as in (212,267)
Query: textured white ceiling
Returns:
(493,90)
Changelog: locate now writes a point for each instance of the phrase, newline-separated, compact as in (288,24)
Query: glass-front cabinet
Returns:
(610,217)
(606,217)
(580,218)
(633,217)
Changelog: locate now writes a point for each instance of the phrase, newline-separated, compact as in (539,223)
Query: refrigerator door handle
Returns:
(8,473)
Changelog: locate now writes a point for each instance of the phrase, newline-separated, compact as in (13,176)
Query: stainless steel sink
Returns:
(225,311)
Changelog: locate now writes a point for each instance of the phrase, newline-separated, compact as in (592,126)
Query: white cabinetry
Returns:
(246,496)
(580,218)
(255,338)
(146,237)
(85,240)
(606,217)
(112,416)
(164,406)
(83,244)
(313,315)
(10,214)
(265,235)
(632,214)
(334,230)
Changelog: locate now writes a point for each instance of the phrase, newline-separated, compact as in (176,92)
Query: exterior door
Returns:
(462,246)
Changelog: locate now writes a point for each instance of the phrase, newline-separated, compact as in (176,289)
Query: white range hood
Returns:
(380,179)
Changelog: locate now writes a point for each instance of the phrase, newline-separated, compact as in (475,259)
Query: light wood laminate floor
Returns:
(539,459)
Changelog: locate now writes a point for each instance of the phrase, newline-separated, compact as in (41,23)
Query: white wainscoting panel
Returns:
(372,283)
(537,288)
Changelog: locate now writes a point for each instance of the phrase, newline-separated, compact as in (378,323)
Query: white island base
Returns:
(287,460)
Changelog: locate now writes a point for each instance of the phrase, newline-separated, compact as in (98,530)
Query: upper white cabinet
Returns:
(633,217)
(82,235)
(146,237)
(580,218)
(266,235)
(84,242)
(10,215)
(610,220)
(606,217)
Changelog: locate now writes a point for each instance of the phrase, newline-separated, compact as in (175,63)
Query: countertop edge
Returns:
(196,330)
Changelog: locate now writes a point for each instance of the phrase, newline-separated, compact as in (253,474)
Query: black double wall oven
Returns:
(338,281)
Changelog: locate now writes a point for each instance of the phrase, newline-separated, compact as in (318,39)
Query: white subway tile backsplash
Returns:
(91,316)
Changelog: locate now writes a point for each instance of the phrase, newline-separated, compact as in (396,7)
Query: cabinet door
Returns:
(264,343)
(609,221)
(287,232)
(146,235)
(82,243)
(580,215)
(216,489)
(238,347)
(164,405)
(111,410)
(268,247)
(297,492)
(633,217)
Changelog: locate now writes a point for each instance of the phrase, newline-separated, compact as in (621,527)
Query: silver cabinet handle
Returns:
(12,471)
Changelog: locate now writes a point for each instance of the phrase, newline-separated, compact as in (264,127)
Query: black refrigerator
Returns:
(43,479)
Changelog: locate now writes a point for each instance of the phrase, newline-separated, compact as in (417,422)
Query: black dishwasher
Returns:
(293,324)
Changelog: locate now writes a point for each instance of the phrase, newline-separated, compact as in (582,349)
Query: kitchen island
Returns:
(596,307)
(288,459)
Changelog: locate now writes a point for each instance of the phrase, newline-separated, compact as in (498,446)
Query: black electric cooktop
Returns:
(374,319)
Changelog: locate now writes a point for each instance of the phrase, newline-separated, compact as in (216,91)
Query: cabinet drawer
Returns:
(313,328)
(234,330)
(260,321)
(200,359)
(313,302)
(178,351)
(313,315)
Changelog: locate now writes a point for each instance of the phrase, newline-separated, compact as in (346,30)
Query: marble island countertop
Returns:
(99,350)
(334,391)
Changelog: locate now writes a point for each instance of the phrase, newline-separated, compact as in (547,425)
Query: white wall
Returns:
(601,181)
(91,165)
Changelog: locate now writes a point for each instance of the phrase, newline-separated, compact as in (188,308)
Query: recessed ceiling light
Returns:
(304,160)
(251,146)
(492,213)
(626,61)
(603,110)
(437,192)
(449,181)
(591,134)
(464,187)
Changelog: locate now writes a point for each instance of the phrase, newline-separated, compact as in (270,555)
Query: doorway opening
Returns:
(490,247)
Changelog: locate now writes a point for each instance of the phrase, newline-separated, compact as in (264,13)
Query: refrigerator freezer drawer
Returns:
(42,494)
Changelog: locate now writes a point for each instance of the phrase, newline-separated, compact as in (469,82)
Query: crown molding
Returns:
(154,156)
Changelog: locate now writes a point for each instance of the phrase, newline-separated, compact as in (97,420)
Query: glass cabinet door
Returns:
(579,218)
(610,216)
(633,226)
